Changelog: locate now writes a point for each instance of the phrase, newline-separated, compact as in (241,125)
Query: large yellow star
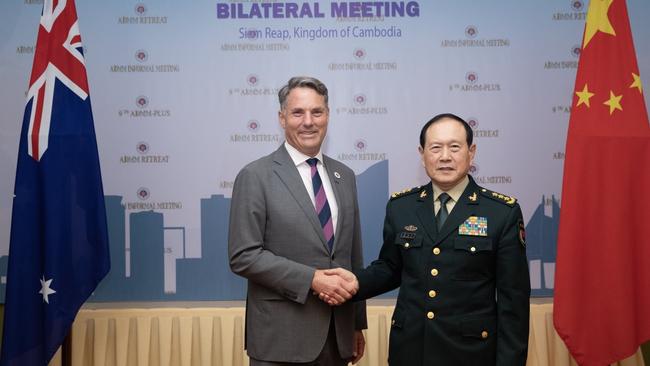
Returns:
(597,20)
(583,96)
(637,82)
(614,102)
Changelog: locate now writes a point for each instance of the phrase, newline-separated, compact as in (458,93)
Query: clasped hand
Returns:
(334,286)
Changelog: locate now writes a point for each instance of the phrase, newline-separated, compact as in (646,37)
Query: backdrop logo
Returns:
(360,145)
(471,40)
(471,77)
(142,147)
(253,125)
(471,31)
(143,156)
(577,12)
(360,63)
(143,193)
(141,102)
(565,64)
(143,110)
(472,122)
(140,9)
(360,106)
(360,153)
(471,83)
(359,53)
(254,128)
(492,179)
(360,99)
(575,50)
(577,5)
(141,55)
(252,79)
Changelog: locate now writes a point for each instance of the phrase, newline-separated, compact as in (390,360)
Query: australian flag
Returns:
(58,251)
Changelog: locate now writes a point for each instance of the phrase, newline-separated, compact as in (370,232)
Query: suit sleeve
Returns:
(248,257)
(513,293)
(383,274)
(361,321)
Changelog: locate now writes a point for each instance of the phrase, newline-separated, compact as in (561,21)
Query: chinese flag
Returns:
(602,281)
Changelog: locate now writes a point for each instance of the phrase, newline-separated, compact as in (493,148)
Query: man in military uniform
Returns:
(457,252)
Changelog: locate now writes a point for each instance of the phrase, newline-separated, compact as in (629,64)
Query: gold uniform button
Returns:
(434,272)
(406,245)
(472,249)
(430,315)
(432,293)
(436,251)
(484,334)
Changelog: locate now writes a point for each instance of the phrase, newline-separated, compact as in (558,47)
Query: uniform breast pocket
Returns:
(475,258)
(410,246)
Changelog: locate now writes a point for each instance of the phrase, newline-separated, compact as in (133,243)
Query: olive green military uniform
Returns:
(464,291)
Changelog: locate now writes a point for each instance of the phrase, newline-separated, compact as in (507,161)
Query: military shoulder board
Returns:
(508,200)
(405,192)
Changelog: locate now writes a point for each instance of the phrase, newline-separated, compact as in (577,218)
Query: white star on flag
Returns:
(46,290)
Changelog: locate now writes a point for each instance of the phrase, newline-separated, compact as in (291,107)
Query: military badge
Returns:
(473,197)
(409,236)
(474,226)
(423,194)
(522,233)
(410,228)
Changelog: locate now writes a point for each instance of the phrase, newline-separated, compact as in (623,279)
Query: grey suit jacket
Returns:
(276,242)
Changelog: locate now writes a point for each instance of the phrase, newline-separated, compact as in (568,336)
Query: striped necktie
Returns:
(322,207)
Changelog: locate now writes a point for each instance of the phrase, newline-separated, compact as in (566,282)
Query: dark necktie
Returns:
(322,207)
(442,212)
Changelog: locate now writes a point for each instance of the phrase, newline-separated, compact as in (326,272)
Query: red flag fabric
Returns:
(602,280)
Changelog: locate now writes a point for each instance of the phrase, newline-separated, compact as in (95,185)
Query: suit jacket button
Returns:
(436,251)
(484,334)
(430,315)
(432,293)
(434,272)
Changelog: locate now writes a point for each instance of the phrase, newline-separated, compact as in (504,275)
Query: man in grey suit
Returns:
(294,214)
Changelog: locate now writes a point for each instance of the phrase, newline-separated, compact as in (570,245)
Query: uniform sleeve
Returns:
(513,293)
(383,274)
(248,257)
(361,321)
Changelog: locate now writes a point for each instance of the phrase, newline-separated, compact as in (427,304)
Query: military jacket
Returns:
(464,291)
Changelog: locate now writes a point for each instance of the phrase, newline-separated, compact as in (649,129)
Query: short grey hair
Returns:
(302,82)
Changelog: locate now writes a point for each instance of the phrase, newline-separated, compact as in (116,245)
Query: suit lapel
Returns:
(336,181)
(425,211)
(288,174)
(464,208)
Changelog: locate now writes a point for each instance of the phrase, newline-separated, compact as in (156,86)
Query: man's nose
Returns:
(445,154)
(308,119)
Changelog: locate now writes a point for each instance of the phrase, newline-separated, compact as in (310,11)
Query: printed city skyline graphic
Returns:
(209,277)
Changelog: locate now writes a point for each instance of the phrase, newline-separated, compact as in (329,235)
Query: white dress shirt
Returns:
(304,169)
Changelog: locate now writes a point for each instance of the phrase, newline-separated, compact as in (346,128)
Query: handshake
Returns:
(334,286)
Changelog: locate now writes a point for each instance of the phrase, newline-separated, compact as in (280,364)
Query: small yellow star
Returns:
(637,83)
(614,102)
(597,20)
(584,96)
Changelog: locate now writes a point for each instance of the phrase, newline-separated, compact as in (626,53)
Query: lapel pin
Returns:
(472,197)
(423,194)
(337,175)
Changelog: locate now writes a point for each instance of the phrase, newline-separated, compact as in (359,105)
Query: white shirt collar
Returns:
(298,157)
